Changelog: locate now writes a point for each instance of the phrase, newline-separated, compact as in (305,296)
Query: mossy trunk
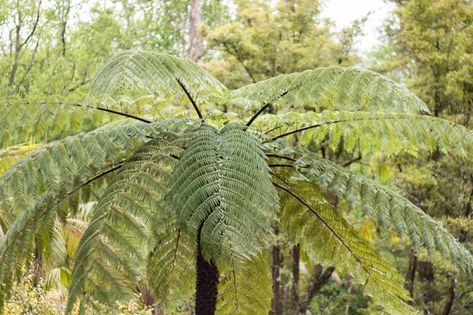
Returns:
(206,284)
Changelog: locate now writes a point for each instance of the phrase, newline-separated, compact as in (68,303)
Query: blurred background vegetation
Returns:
(53,47)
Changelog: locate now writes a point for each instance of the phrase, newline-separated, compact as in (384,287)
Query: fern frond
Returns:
(37,184)
(331,88)
(49,118)
(390,207)
(247,289)
(368,132)
(322,231)
(221,187)
(137,72)
(117,241)
(12,154)
(170,266)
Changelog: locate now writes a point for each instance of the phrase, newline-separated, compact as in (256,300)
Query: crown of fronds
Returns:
(221,190)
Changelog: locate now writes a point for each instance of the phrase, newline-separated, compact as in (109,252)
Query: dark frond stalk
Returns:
(277,262)
(96,177)
(194,104)
(111,111)
(262,109)
(206,284)
(281,157)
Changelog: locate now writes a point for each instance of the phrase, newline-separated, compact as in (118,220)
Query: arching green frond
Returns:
(137,72)
(42,120)
(320,229)
(171,263)
(222,191)
(114,247)
(37,184)
(390,207)
(368,132)
(331,88)
(247,289)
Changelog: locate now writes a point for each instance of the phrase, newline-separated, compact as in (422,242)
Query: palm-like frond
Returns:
(247,289)
(114,247)
(322,231)
(222,192)
(137,72)
(391,208)
(51,118)
(171,263)
(332,88)
(37,184)
(369,132)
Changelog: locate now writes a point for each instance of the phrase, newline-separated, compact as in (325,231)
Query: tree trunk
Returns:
(411,274)
(296,254)
(318,279)
(196,49)
(206,285)
(148,300)
(451,296)
(276,303)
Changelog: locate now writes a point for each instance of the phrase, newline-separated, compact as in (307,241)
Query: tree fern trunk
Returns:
(206,285)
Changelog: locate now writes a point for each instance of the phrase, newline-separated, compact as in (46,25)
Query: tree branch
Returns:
(318,279)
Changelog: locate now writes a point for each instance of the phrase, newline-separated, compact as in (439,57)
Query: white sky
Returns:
(343,12)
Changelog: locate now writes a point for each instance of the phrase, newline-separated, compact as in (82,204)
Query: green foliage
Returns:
(328,238)
(114,247)
(247,289)
(331,88)
(390,207)
(138,73)
(35,187)
(222,193)
(265,39)
(371,132)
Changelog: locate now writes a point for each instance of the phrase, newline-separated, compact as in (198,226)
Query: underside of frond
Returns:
(247,289)
(331,88)
(222,193)
(391,208)
(171,263)
(323,232)
(38,185)
(115,245)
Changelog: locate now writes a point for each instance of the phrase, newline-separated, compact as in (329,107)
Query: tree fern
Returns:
(188,198)
(42,180)
(138,73)
(247,289)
